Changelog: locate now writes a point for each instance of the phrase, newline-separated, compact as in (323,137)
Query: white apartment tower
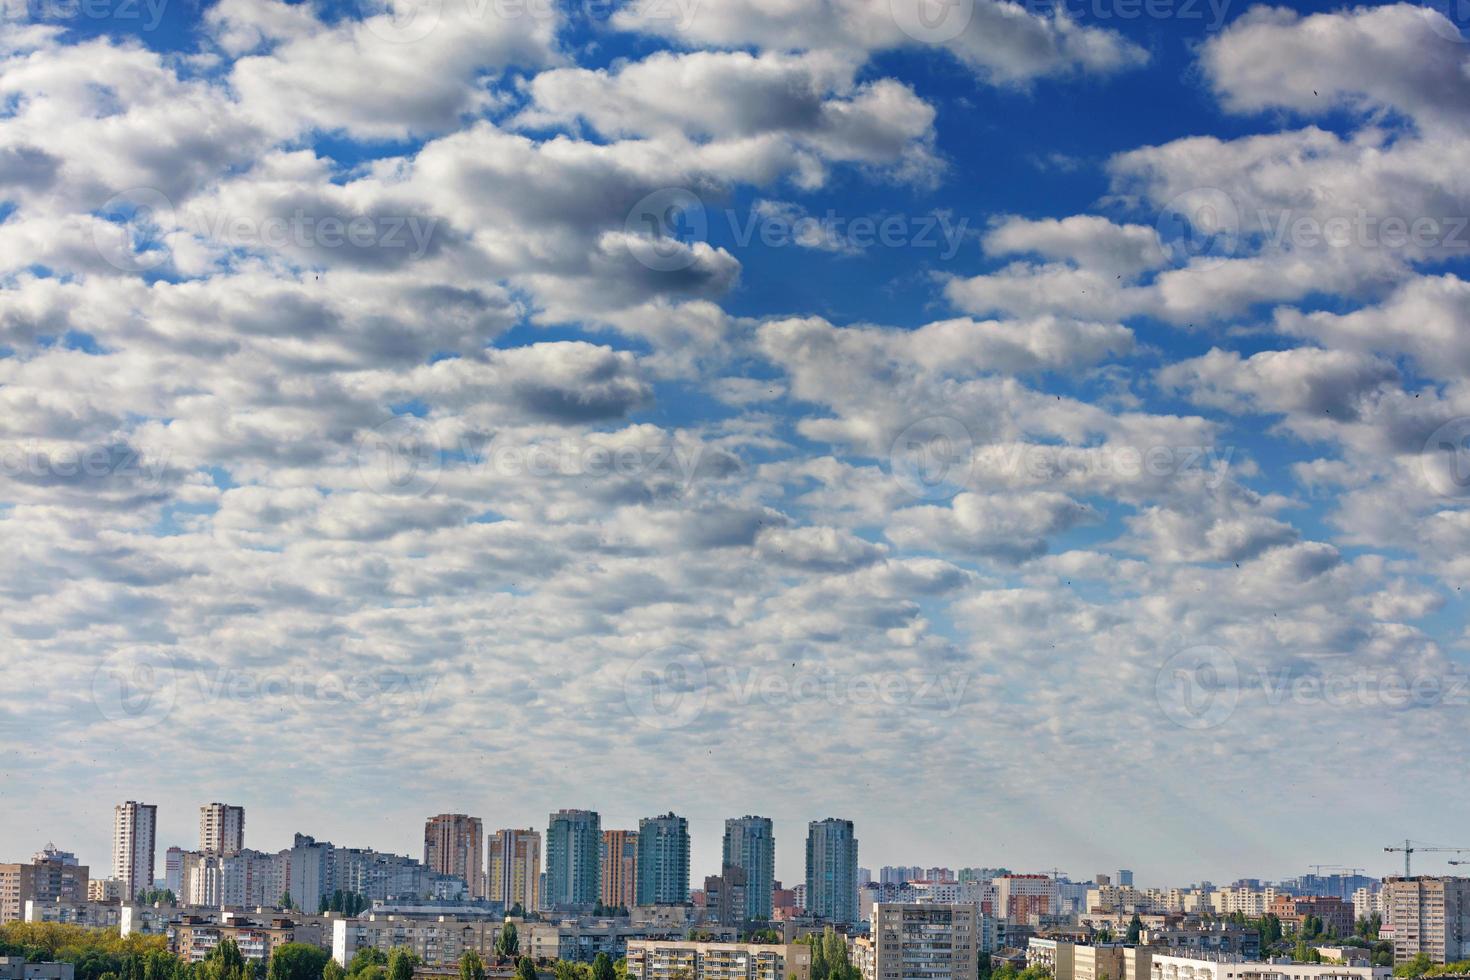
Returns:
(221,829)
(134,829)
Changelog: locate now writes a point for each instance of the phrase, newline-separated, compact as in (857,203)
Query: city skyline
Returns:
(1388,864)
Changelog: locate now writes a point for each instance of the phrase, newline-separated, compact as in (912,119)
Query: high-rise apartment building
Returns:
(937,942)
(663,860)
(620,868)
(52,876)
(515,869)
(831,870)
(221,829)
(573,852)
(134,831)
(454,844)
(1023,899)
(1428,915)
(725,897)
(750,845)
(173,870)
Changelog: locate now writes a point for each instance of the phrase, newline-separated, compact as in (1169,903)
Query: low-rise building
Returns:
(194,937)
(652,959)
(1224,967)
(580,939)
(437,940)
(93,915)
(16,968)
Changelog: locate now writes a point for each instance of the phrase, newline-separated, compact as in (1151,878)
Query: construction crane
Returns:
(1318,868)
(1410,847)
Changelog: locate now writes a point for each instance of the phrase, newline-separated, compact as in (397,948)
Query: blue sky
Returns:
(1039,436)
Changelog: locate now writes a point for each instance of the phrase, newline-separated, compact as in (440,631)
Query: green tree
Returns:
(368,956)
(401,963)
(1135,930)
(332,971)
(1416,967)
(471,967)
(286,902)
(517,911)
(818,969)
(525,969)
(602,968)
(508,943)
(297,961)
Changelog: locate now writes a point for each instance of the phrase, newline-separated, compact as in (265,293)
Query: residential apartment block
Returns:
(1428,915)
(674,960)
(221,829)
(454,844)
(573,859)
(619,857)
(515,869)
(831,871)
(920,940)
(134,832)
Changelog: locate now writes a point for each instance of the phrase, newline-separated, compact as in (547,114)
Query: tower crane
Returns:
(1410,847)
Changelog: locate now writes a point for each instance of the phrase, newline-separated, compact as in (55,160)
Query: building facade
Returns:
(1236,968)
(454,844)
(515,869)
(909,941)
(663,860)
(673,960)
(1428,915)
(750,845)
(134,832)
(620,868)
(831,871)
(52,876)
(573,859)
(221,829)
